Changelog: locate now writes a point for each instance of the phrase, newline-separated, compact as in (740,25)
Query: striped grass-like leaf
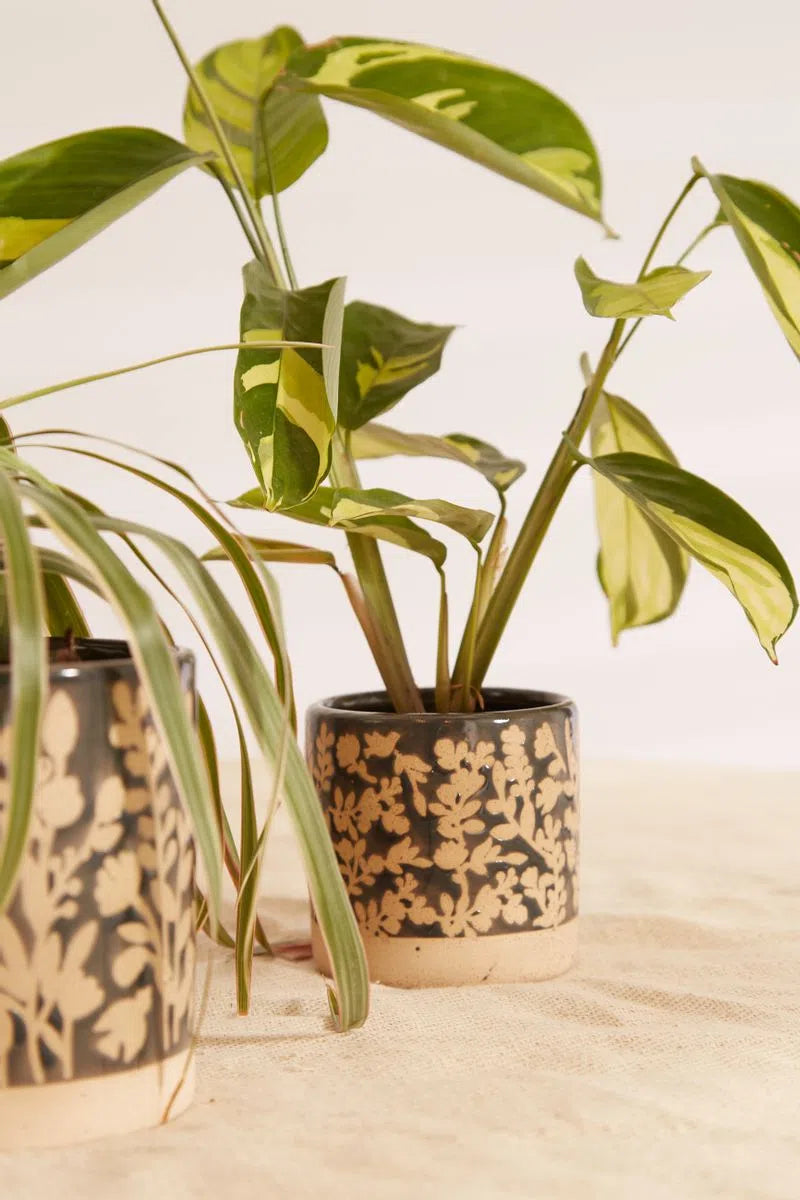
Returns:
(151,653)
(28,677)
(652,295)
(63,613)
(716,531)
(379,441)
(237,79)
(767,227)
(383,357)
(268,718)
(494,117)
(283,407)
(59,195)
(642,569)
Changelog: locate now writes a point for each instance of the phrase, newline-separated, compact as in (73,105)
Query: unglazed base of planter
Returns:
(61,1114)
(521,957)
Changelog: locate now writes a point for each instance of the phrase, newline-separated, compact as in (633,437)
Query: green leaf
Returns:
(352,505)
(59,195)
(64,614)
(283,409)
(383,357)
(653,295)
(494,117)
(151,652)
(28,678)
(238,79)
(716,531)
(642,570)
(399,531)
(379,441)
(767,227)
(269,550)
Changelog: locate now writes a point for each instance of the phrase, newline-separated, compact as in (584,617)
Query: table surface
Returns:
(665,1066)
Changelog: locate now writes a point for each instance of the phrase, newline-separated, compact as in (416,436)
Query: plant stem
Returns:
(443,693)
(276,208)
(462,683)
(234,203)
(482,595)
(140,366)
(554,484)
(388,648)
(268,255)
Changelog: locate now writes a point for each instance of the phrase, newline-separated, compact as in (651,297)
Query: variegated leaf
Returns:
(494,117)
(653,295)
(383,357)
(767,227)
(351,505)
(269,550)
(59,195)
(237,79)
(642,570)
(379,441)
(285,401)
(716,531)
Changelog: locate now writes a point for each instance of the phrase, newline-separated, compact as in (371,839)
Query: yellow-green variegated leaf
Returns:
(714,530)
(494,117)
(654,295)
(767,226)
(270,550)
(379,441)
(59,195)
(383,357)
(642,570)
(351,505)
(285,400)
(237,79)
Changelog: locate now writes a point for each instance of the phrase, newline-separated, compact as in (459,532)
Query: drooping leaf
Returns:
(494,117)
(642,570)
(351,505)
(383,357)
(28,678)
(379,441)
(318,510)
(270,550)
(283,407)
(59,195)
(716,531)
(767,227)
(653,295)
(237,79)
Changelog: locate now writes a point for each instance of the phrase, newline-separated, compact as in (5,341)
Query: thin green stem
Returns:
(442,651)
(234,203)
(150,362)
(462,684)
(276,208)
(554,484)
(387,644)
(268,255)
(482,596)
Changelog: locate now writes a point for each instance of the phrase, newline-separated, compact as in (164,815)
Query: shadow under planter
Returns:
(97,946)
(456,835)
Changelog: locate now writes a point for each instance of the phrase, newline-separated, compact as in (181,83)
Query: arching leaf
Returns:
(59,195)
(379,441)
(642,569)
(715,530)
(653,295)
(494,117)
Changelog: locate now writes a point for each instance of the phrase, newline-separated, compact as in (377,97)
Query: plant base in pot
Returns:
(456,835)
(97,946)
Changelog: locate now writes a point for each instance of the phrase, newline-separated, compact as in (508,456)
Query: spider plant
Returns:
(37,586)
(254,122)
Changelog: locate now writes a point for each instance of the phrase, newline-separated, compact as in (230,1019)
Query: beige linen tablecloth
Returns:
(666,1065)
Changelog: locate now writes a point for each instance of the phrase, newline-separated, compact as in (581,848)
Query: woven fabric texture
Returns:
(665,1066)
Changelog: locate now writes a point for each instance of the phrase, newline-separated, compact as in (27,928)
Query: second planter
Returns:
(456,835)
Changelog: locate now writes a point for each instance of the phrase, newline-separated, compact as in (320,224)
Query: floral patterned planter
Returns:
(97,945)
(456,835)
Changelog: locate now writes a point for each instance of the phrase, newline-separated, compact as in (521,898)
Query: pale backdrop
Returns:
(418,229)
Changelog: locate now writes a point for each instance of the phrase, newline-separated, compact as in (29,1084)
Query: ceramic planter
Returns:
(456,836)
(97,946)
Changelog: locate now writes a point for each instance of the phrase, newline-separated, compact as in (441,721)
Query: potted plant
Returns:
(105,783)
(452,809)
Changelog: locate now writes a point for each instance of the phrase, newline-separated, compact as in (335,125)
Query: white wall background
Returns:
(420,230)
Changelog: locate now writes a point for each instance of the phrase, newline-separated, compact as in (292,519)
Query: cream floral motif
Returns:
(53,970)
(504,854)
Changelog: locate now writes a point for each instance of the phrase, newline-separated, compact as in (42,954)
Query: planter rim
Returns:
(375,706)
(118,652)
